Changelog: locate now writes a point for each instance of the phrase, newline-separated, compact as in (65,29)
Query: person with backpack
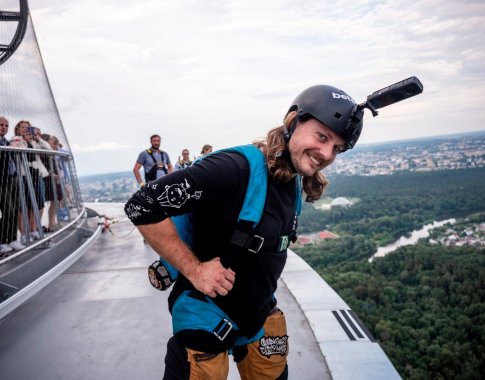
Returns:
(156,163)
(241,206)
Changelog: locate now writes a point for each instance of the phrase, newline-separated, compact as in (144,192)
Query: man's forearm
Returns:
(209,277)
(137,175)
(165,241)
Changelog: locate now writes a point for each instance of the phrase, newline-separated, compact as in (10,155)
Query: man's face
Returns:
(3,126)
(155,143)
(314,146)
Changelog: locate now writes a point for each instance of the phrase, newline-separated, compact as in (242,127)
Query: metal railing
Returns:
(29,179)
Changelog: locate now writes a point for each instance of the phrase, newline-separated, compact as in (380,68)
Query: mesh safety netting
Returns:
(39,189)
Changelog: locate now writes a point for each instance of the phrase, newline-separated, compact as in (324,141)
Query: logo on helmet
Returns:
(342,96)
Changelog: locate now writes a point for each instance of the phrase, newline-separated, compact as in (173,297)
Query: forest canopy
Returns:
(423,303)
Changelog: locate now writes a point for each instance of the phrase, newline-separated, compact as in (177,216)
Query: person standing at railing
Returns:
(39,170)
(42,163)
(50,195)
(18,140)
(24,133)
(63,214)
(9,207)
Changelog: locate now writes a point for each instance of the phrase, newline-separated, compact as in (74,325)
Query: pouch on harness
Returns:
(162,275)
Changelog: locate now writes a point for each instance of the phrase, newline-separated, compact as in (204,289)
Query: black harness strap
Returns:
(245,237)
(162,153)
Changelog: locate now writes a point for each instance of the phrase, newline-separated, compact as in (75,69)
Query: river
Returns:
(412,239)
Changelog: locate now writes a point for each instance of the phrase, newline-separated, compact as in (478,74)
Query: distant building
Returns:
(315,238)
(323,235)
(304,240)
(341,202)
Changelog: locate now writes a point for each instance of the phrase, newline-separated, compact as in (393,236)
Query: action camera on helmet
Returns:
(393,93)
(339,112)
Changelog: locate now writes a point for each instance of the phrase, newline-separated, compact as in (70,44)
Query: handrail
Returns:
(38,151)
(44,240)
(31,289)
(31,178)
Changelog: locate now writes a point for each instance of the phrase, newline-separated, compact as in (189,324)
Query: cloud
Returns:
(224,72)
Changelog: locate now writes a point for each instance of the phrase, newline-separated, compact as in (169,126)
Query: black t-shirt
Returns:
(213,189)
(5,157)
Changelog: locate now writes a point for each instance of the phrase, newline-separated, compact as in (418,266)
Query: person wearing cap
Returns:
(156,163)
(223,299)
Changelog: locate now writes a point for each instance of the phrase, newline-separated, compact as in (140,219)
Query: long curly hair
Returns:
(279,163)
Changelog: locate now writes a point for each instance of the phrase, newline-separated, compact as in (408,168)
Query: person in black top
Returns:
(223,300)
(9,197)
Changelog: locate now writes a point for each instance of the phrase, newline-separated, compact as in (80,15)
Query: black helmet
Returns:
(332,107)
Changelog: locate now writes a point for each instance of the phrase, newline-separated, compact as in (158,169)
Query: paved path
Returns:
(101,319)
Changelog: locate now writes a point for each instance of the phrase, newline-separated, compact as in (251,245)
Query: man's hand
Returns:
(211,278)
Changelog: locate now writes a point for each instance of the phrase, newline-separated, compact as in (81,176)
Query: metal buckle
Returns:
(223,331)
(260,244)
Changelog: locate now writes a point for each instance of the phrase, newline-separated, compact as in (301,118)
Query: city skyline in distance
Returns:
(357,149)
(458,151)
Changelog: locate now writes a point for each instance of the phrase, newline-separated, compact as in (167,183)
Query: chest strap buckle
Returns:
(253,243)
(223,329)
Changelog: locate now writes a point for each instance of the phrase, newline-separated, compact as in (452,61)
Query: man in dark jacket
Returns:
(223,300)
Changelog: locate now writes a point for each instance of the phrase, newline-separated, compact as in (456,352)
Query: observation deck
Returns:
(101,319)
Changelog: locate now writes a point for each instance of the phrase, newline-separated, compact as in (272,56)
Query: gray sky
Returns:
(224,72)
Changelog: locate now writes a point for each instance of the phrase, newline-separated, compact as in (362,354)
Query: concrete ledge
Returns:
(349,350)
(30,276)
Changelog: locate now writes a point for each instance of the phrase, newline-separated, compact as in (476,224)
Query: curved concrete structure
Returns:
(101,319)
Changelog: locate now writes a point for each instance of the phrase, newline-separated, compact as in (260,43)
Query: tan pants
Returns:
(265,359)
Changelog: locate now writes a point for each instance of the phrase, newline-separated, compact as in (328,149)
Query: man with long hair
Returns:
(223,300)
